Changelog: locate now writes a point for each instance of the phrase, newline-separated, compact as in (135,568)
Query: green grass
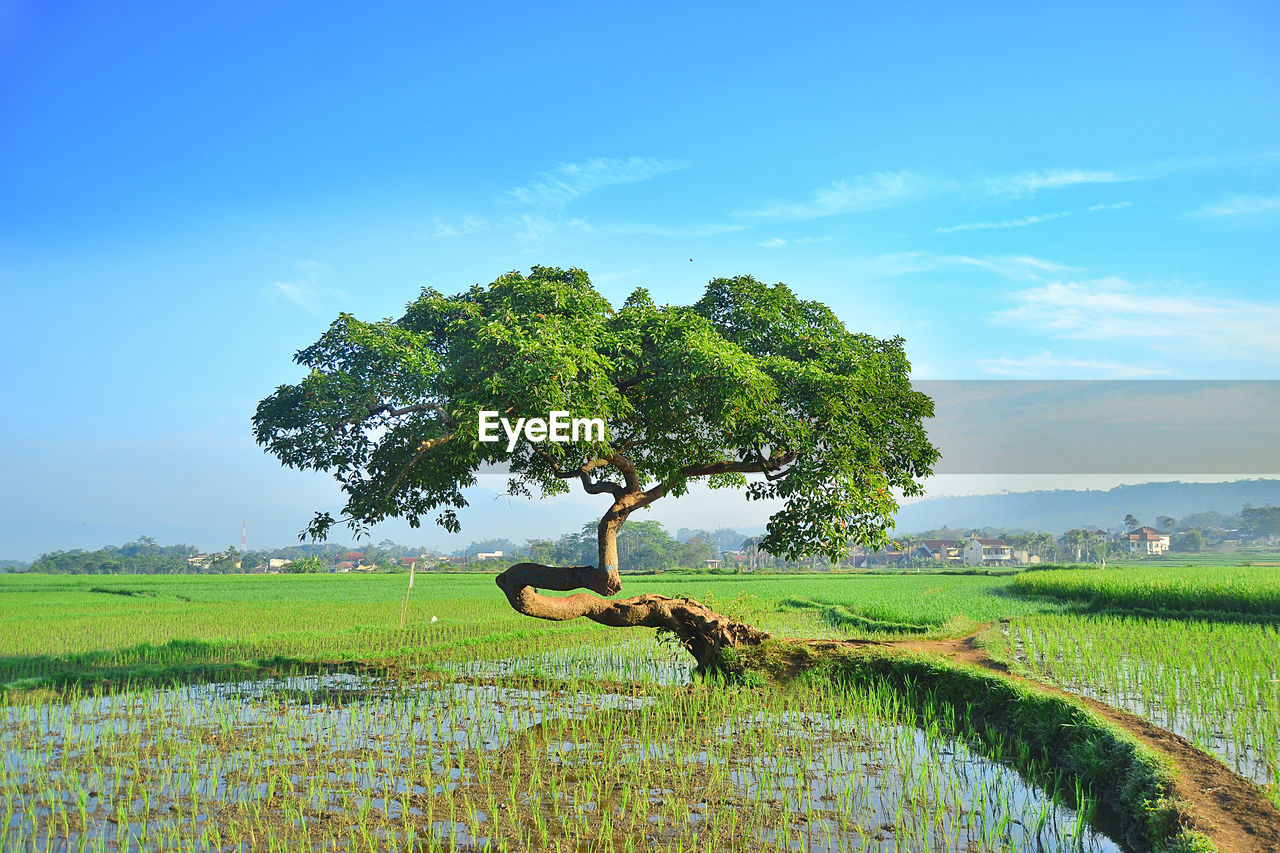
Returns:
(59,623)
(1055,741)
(1253,590)
(1243,556)
(68,629)
(135,633)
(856,605)
(835,766)
(1216,683)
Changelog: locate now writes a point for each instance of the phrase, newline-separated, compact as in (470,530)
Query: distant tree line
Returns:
(1192,533)
(642,546)
(141,556)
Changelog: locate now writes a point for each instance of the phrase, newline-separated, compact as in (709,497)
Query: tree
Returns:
(1074,542)
(225,562)
(696,552)
(1130,522)
(305,566)
(1043,545)
(907,543)
(750,388)
(540,550)
(1192,540)
(1260,522)
(1166,522)
(506,546)
(644,546)
(577,548)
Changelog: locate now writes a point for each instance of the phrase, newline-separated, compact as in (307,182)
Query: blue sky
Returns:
(189,195)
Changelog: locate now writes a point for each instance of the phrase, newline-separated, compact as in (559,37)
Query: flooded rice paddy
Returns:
(517,762)
(644,661)
(1218,685)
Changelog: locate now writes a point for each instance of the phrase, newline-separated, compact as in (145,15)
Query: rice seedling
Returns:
(1218,684)
(321,762)
(1253,590)
(177,719)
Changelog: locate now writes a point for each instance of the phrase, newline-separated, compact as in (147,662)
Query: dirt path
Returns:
(1227,808)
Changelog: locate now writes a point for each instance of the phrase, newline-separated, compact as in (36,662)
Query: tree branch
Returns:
(651,495)
(426,445)
(764,466)
(628,468)
(388,409)
(583,471)
(599,487)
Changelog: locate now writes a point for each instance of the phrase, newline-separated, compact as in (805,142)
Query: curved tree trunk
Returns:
(703,632)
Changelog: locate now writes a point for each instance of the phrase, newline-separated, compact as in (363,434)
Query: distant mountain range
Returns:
(1060,510)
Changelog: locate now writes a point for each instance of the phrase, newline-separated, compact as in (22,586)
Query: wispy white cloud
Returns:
(299,293)
(778,242)
(891,189)
(893,264)
(461,226)
(1027,220)
(1028,183)
(532,227)
(625,229)
(1020,267)
(1242,205)
(1112,309)
(866,192)
(1046,365)
(1015,267)
(537,225)
(304,291)
(1007,223)
(568,181)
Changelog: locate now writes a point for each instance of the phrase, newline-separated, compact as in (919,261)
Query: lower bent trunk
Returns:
(705,633)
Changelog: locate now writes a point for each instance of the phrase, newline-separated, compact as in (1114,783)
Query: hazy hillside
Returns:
(1059,510)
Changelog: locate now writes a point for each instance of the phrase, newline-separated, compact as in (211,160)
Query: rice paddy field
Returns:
(1194,649)
(296,713)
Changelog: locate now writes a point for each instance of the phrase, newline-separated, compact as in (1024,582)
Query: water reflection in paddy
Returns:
(312,760)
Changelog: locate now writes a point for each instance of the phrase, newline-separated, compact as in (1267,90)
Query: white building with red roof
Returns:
(1147,542)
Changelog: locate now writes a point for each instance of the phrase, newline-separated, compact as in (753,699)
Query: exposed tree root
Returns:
(705,633)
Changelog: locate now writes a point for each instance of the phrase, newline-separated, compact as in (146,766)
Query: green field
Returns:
(294,712)
(84,627)
(1246,590)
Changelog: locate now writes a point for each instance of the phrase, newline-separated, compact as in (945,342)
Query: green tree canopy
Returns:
(750,387)
(1192,540)
(1260,522)
(305,566)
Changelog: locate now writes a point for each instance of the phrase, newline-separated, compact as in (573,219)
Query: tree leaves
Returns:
(749,380)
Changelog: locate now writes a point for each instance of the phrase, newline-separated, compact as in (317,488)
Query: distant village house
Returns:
(1148,542)
(987,552)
